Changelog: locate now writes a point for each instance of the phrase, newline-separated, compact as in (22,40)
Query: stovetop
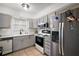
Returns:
(43,35)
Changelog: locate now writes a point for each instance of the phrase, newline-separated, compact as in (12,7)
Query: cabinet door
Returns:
(17,43)
(22,39)
(30,23)
(47,45)
(31,40)
(22,42)
(35,23)
(26,41)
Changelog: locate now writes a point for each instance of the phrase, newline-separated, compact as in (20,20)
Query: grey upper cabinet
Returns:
(42,20)
(30,23)
(5,20)
(33,23)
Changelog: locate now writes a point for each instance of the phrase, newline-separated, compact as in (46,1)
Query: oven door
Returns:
(39,41)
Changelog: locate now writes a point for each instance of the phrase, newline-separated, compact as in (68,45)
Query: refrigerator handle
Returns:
(59,38)
(62,45)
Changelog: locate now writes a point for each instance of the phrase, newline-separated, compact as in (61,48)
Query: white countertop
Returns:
(14,35)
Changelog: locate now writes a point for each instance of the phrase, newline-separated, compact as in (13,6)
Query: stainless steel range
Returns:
(40,37)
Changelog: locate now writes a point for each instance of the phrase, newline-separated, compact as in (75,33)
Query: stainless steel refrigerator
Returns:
(69,33)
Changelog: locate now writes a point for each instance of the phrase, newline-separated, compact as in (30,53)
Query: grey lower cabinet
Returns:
(31,40)
(21,42)
(17,43)
(47,45)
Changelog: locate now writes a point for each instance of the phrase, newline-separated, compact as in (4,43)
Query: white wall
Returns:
(51,9)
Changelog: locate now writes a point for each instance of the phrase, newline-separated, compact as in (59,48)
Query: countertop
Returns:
(6,36)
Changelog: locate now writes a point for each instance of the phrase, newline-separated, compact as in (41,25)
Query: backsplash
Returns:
(5,32)
(16,26)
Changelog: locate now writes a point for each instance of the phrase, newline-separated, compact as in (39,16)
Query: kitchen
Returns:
(37,29)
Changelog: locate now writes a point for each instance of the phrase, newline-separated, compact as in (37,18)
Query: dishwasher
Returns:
(6,44)
(55,38)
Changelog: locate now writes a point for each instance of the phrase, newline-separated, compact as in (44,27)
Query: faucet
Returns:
(21,30)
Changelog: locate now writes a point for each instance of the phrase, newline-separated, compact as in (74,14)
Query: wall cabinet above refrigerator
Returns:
(5,20)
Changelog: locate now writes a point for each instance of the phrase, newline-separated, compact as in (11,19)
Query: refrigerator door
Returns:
(70,36)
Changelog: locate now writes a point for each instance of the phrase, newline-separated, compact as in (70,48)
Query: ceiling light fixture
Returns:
(26,6)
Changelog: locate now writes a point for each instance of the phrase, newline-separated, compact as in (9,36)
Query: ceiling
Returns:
(35,7)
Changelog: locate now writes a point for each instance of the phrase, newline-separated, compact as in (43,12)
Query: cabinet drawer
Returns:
(47,47)
(47,52)
(47,43)
(47,39)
